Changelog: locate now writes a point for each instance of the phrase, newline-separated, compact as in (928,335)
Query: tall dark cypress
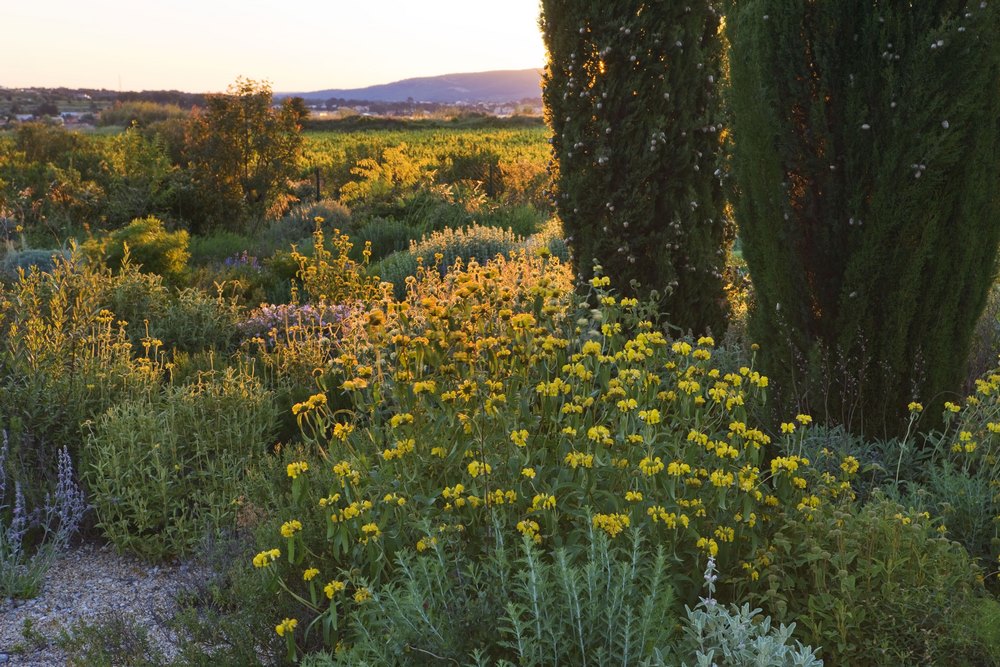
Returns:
(867,160)
(631,94)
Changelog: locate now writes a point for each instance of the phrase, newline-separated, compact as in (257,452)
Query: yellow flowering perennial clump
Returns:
(497,400)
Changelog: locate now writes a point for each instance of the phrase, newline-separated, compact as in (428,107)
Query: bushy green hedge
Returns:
(148,244)
(164,471)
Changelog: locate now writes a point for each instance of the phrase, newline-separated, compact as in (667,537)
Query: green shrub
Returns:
(218,621)
(187,319)
(385,235)
(300,221)
(522,220)
(985,350)
(549,239)
(395,269)
(164,471)
(871,585)
(64,359)
(216,247)
(329,274)
(954,472)
(148,244)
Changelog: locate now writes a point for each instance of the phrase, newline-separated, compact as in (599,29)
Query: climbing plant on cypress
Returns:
(867,159)
(631,94)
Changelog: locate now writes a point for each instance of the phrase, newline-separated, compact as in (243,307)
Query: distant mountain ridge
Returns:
(497,86)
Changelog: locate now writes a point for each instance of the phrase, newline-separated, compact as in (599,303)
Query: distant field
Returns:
(453,154)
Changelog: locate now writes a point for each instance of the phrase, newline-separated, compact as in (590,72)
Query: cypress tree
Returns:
(631,94)
(866,157)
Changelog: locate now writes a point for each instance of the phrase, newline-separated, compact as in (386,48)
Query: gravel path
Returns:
(84,584)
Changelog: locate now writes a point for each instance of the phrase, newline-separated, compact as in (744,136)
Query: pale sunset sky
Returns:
(204,45)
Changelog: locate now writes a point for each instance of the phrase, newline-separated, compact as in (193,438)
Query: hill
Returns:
(496,86)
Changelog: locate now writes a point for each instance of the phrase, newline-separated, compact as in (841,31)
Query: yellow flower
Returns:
(725,533)
(722,479)
(426,386)
(398,420)
(612,524)
(543,501)
(681,347)
(650,466)
(915,407)
(287,625)
(529,529)
(600,434)
(519,438)
(355,384)
(951,407)
(633,496)
(310,574)
(850,465)
(297,468)
(787,427)
(439,452)
(528,472)
(709,545)
(265,558)
(804,419)
(425,543)
(313,402)
(477,468)
(370,532)
(650,416)
(577,459)
(333,588)
(289,528)
(362,595)
(678,469)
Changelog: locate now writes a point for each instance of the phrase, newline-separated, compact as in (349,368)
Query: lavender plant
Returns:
(279,323)
(30,539)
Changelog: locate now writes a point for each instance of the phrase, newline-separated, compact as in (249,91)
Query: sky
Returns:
(204,45)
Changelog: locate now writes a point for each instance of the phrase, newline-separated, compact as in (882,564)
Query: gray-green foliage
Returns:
(113,639)
(737,637)
(865,153)
(614,607)
(612,604)
(165,470)
(23,260)
(631,94)
(443,249)
(475,242)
